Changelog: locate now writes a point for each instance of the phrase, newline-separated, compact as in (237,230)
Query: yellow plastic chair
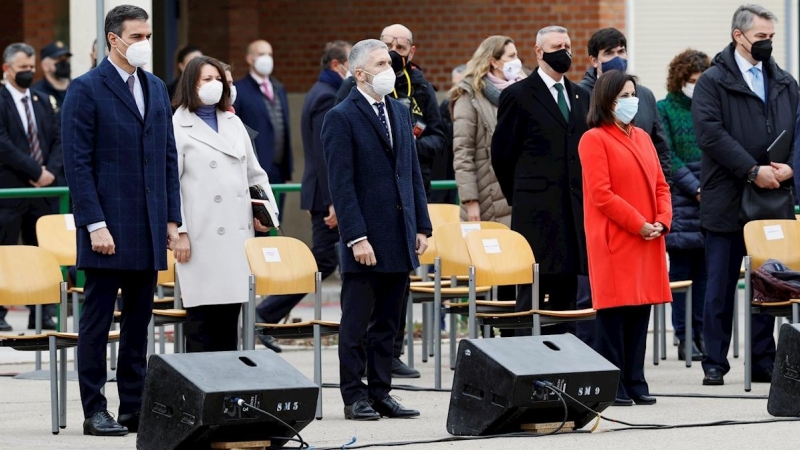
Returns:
(767,239)
(32,276)
(283,265)
(503,257)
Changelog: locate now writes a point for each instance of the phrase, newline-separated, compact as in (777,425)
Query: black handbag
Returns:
(261,211)
(759,204)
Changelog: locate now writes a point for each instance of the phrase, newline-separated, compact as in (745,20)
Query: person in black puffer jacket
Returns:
(685,240)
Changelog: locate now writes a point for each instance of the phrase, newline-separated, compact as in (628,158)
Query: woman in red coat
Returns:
(628,211)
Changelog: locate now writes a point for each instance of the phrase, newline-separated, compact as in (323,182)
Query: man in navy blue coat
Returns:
(377,192)
(315,197)
(121,167)
(262,105)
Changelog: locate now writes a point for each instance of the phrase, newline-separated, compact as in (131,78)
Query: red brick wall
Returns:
(446,32)
(29,21)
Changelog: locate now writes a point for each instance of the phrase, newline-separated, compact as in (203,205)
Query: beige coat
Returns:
(216,170)
(474,121)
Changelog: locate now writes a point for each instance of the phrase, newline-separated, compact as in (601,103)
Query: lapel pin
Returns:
(35,98)
(577,96)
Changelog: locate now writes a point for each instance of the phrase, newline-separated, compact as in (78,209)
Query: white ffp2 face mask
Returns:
(688,89)
(626,109)
(138,53)
(383,83)
(511,69)
(210,93)
(264,65)
(233,93)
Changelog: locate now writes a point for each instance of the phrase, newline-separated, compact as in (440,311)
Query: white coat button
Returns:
(221,230)
(218,198)
(213,164)
(242,159)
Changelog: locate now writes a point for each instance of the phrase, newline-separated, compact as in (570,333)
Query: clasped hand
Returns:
(771,177)
(651,231)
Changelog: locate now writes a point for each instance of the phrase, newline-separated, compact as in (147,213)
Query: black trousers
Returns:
(561,289)
(621,338)
(724,253)
(101,288)
(212,328)
(371,307)
(688,265)
(276,307)
(18,221)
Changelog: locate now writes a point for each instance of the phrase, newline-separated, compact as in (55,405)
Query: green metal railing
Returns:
(295,187)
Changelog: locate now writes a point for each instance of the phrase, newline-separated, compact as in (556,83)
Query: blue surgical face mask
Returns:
(626,109)
(617,63)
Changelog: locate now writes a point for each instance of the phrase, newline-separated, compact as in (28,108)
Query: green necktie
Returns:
(562,101)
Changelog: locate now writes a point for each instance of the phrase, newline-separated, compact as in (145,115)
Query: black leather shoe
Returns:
(713,378)
(622,402)
(130,421)
(389,407)
(4,326)
(103,424)
(270,343)
(640,400)
(697,355)
(47,324)
(762,377)
(360,410)
(401,370)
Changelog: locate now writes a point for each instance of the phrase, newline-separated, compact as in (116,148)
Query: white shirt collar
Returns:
(259,79)
(549,81)
(369,98)
(744,65)
(17,95)
(124,74)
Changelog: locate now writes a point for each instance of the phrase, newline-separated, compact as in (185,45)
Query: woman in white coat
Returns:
(217,166)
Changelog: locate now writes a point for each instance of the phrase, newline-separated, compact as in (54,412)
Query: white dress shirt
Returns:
(550,85)
(138,93)
(745,66)
(261,80)
(138,96)
(18,96)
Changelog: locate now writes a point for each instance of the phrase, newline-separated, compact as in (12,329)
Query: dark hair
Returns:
(226,67)
(683,66)
(18,47)
(115,19)
(608,87)
(605,39)
(186,92)
(336,50)
(185,51)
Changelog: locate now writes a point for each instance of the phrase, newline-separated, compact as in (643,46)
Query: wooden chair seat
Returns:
(462,278)
(451,291)
(680,284)
(297,330)
(571,314)
(415,278)
(34,342)
(480,303)
(169,284)
(428,284)
(768,305)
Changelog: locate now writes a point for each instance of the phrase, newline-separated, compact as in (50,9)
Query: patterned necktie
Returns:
(562,101)
(130,83)
(382,116)
(758,83)
(267,90)
(33,136)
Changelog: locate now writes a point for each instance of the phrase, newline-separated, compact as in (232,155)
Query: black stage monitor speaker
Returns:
(494,392)
(784,393)
(189,400)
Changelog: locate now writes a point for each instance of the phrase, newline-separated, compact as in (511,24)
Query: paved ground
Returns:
(25,412)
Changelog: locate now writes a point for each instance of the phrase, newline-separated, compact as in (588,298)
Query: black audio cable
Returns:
(299,439)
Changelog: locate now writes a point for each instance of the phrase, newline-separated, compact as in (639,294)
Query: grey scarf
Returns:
(491,92)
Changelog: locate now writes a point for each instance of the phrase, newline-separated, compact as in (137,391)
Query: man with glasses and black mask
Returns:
(740,106)
(414,91)
(56,69)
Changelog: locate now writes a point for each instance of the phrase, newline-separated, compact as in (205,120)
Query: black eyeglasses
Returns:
(389,40)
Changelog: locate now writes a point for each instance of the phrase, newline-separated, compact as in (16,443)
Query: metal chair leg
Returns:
(453,325)
(748,348)
(662,312)
(151,337)
(62,389)
(410,332)
(38,320)
(318,368)
(796,313)
(689,336)
(76,313)
(736,323)
(425,325)
(53,384)
(656,324)
(434,326)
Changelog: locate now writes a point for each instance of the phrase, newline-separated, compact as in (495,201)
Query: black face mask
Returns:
(559,60)
(24,79)
(398,62)
(761,50)
(62,69)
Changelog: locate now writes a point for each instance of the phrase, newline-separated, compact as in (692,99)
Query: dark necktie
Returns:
(130,83)
(562,101)
(382,116)
(33,136)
